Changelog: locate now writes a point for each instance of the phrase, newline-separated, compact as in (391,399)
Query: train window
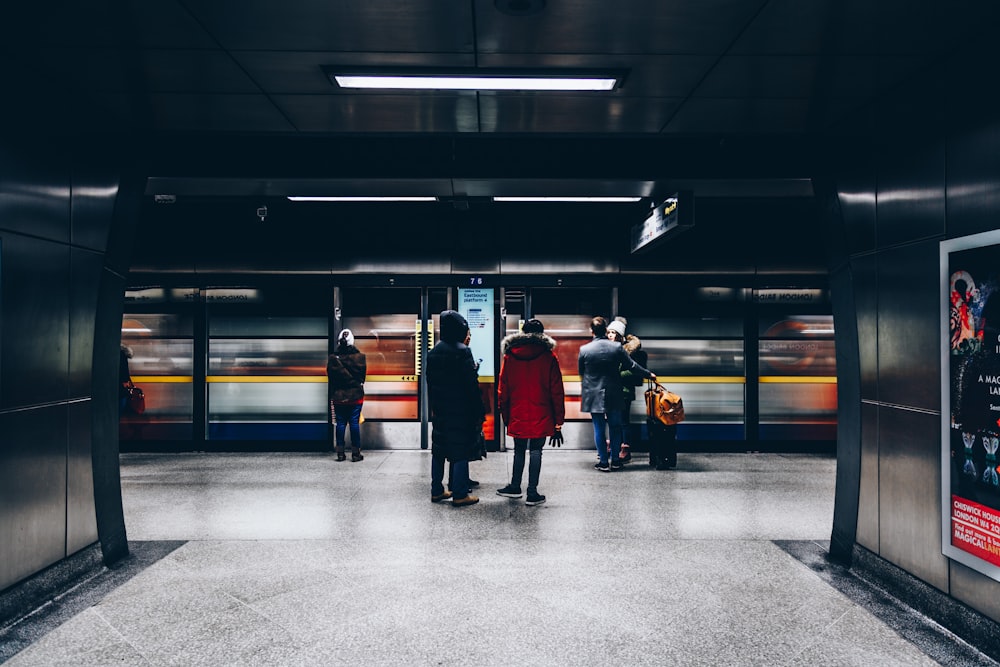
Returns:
(266,378)
(162,365)
(389,343)
(798,384)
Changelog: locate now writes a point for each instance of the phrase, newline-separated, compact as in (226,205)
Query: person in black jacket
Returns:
(346,370)
(457,410)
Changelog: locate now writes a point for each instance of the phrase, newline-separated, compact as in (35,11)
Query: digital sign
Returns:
(668,219)
(476,306)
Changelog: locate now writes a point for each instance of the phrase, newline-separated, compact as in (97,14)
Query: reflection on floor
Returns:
(295,559)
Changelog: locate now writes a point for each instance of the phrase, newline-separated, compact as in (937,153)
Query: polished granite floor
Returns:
(295,559)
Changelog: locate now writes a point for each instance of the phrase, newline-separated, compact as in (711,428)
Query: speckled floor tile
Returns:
(295,559)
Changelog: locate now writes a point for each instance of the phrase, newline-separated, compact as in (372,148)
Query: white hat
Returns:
(618,328)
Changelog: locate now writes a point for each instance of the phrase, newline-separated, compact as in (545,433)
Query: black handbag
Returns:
(136,402)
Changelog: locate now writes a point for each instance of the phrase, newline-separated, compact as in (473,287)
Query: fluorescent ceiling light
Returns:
(474,79)
(606,200)
(362,198)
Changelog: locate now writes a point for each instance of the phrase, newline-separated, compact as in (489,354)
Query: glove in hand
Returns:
(557,439)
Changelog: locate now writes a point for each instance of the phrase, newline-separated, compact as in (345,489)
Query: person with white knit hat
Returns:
(600,364)
(630,379)
(346,370)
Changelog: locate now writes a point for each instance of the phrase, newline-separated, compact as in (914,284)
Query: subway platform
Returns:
(296,559)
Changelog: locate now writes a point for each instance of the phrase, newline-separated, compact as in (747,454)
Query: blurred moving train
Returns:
(244,367)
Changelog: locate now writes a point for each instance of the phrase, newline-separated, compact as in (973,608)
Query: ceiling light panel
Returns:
(477,79)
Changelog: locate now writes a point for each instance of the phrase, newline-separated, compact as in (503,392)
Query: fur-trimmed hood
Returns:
(632,343)
(527,346)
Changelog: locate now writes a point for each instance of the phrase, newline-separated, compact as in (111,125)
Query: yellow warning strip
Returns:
(152,379)
(687,379)
(485,379)
(804,379)
(266,378)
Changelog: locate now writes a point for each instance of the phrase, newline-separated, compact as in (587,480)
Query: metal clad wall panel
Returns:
(93,201)
(35,322)
(910,193)
(973,174)
(908,313)
(910,494)
(85,270)
(81,521)
(868,502)
(975,590)
(865,280)
(32,491)
(34,194)
(857,205)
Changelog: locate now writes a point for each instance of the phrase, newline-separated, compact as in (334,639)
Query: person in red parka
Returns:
(531,398)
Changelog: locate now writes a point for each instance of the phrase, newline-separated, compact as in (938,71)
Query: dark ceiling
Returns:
(192,79)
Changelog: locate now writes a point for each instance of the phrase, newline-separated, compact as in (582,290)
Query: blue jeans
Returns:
(605,425)
(458,477)
(349,414)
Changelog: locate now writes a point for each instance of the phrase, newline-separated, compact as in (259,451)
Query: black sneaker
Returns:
(617,465)
(603,466)
(473,484)
(510,491)
(534,499)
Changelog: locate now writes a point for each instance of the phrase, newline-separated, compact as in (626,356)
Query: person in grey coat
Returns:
(600,365)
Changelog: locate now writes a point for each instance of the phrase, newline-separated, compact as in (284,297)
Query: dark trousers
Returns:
(534,445)
(662,445)
(458,477)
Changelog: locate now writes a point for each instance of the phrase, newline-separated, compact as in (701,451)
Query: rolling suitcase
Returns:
(662,444)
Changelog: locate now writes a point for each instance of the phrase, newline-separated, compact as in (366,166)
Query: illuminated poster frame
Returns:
(970,397)
(476,306)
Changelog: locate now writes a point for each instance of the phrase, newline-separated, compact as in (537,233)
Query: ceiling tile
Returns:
(215,113)
(300,71)
(598,26)
(645,76)
(791,76)
(152,70)
(734,116)
(125,23)
(573,113)
(818,27)
(382,113)
(322,25)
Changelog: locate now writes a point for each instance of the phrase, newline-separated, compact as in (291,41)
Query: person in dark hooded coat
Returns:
(531,398)
(457,410)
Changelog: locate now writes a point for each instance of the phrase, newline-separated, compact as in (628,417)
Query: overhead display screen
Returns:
(671,217)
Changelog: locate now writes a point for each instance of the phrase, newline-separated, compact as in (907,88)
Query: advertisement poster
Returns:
(476,306)
(970,391)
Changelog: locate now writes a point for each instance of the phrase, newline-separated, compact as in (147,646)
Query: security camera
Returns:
(262,213)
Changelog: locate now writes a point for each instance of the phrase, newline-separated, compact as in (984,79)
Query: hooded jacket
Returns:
(457,410)
(631,379)
(345,372)
(530,387)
